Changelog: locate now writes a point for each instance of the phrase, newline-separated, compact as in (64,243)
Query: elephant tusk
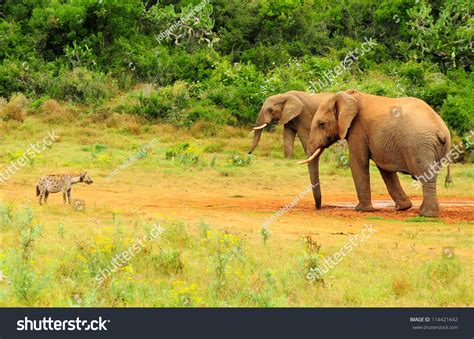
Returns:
(312,157)
(252,132)
(260,127)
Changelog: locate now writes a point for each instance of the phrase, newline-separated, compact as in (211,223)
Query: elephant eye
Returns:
(321,125)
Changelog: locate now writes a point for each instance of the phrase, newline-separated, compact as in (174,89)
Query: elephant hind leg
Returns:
(402,202)
(430,205)
(426,175)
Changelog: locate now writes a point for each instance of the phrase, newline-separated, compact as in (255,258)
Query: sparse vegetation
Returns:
(94,72)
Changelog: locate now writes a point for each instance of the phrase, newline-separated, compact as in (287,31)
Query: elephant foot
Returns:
(428,213)
(365,208)
(431,212)
(403,206)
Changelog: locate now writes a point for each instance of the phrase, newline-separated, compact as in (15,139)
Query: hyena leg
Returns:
(69,196)
(40,196)
(64,196)
(46,194)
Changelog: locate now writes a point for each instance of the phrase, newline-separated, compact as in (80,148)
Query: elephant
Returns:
(399,134)
(294,110)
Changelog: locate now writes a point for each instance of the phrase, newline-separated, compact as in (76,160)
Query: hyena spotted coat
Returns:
(55,183)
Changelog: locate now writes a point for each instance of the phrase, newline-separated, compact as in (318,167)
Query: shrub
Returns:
(185,295)
(82,85)
(443,270)
(311,260)
(164,103)
(239,161)
(204,111)
(168,261)
(6,215)
(3,103)
(225,250)
(54,113)
(341,154)
(414,72)
(15,109)
(456,111)
(436,91)
(184,153)
(26,282)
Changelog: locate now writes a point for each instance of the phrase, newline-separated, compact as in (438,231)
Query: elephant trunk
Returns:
(256,139)
(257,130)
(313,168)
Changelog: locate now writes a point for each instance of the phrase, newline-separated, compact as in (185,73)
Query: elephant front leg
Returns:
(430,205)
(402,202)
(359,165)
(288,141)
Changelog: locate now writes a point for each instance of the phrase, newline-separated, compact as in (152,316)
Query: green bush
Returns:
(184,153)
(457,111)
(221,65)
(163,103)
(239,161)
(204,110)
(82,86)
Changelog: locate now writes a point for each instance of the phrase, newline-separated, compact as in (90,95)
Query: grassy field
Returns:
(210,201)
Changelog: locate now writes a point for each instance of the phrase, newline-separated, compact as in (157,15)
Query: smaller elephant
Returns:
(294,110)
(399,134)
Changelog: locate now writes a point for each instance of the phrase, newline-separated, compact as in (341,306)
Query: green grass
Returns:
(53,254)
(193,265)
(423,219)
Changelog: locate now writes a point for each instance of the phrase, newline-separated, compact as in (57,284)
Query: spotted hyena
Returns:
(55,183)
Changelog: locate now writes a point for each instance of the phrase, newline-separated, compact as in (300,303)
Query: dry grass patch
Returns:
(53,112)
(15,109)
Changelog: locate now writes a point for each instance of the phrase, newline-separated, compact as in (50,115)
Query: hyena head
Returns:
(86,178)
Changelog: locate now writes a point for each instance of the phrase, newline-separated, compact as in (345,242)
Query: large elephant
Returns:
(398,134)
(294,110)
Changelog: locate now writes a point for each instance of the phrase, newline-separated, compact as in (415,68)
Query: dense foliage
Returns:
(217,60)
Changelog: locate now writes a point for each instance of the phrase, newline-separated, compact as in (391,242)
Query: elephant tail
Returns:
(447,155)
(448,180)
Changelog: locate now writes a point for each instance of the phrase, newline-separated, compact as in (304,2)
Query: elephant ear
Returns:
(292,107)
(346,108)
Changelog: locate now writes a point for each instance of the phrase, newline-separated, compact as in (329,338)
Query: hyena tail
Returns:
(37,190)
